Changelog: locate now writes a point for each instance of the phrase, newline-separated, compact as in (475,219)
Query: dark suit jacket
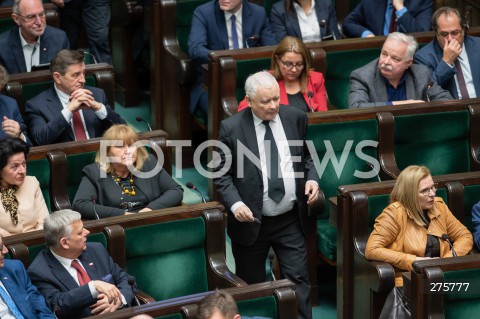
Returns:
(63,293)
(11,55)
(232,188)
(47,125)
(25,295)
(368,88)
(9,108)
(161,191)
(370,15)
(284,24)
(431,55)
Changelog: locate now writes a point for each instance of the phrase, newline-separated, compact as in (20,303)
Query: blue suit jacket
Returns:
(209,32)
(370,15)
(9,108)
(63,293)
(47,125)
(431,55)
(11,55)
(29,301)
(284,24)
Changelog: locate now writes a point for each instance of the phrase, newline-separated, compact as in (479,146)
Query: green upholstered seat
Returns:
(244,69)
(463,304)
(261,307)
(75,164)
(168,259)
(438,140)
(41,170)
(172,316)
(185,10)
(338,135)
(32,89)
(471,196)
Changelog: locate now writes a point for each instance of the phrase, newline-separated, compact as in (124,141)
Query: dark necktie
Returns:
(393,22)
(82,275)
(78,127)
(31,57)
(10,304)
(461,80)
(276,188)
(234,32)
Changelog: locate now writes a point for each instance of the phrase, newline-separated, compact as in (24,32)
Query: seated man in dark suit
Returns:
(453,56)
(374,17)
(392,79)
(12,120)
(69,111)
(77,279)
(212,30)
(32,42)
(18,297)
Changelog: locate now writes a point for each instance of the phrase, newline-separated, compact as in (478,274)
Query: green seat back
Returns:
(463,304)
(172,251)
(75,165)
(30,90)
(261,307)
(41,170)
(338,135)
(172,316)
(339,66)
(6,24)
(244,69)
(471,196)
(267,4)
(185,10)
(438,140)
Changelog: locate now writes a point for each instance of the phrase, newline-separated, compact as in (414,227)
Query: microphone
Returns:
(253,39)
(84,52)
(310,95)
(191,186)
(330,34)
(140,119)
(93,197)
(427,90)
(131,282)
(445,237)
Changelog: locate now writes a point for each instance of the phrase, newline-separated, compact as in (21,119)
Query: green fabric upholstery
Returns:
(442,144)
(6,24)
(463,304)
(173,316)
(75,164)
(260,307)
(339,134)
(471,196)
(185,10)
(41,170)
(340,65)
(32,89)
(246,68)
(168,260)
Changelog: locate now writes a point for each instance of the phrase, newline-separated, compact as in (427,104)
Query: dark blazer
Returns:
(11,55)
(284,23)
(25,295)
(47,125)
(240,129)
(9,108)
(370,15)
(60,289)
(431,55)
(161,191)
(368,87)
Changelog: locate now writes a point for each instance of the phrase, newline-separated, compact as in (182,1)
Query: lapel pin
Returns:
(5,278)
(90,264)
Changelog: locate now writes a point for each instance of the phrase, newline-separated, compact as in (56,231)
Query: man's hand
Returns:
(407,102)
(83,99)
(311,191)
(451,51)
(371,35)
(398,5)
(103,306)
(112,292)
(243,214)
(11,127)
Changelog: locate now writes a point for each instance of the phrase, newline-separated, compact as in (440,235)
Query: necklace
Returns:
(131,191)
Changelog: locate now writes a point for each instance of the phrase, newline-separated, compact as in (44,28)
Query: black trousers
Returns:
(283,233)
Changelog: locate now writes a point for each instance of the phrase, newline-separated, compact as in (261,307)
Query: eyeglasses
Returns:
(426,191)
(289,65)
(454,33)
(33,17)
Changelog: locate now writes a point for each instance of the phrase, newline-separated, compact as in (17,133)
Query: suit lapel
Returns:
(59,272)
(379,83)
(90,266)
(222,26)
(17,51)
(44,48)
(473,58)
(250,134)
(55,107)
(296,26)
(12,289)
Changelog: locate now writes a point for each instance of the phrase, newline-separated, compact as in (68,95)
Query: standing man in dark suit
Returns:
(212,30)
(77,279)
(454,56)
(31,42)
(268,198)
(380,17)
(69,111)
(18,297)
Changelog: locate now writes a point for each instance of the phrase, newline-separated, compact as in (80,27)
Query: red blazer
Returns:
(316,85)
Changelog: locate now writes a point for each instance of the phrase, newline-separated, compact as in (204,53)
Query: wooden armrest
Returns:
(182,63)
(386,142)
(143,297)
(58,180)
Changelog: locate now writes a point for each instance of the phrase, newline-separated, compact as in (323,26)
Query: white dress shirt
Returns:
(31,52)
(238,23)
(467,74)
(309,24)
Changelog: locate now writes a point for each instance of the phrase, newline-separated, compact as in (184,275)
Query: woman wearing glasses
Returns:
(300,86)
(412,226)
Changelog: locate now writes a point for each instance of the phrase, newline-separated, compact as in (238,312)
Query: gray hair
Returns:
(16,6)
(257,80)
(409,40)
(58,225)
(4,78)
